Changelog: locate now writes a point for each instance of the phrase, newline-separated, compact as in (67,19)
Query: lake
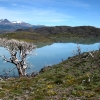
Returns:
(47,55)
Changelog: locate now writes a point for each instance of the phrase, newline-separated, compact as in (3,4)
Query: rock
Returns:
(27,91)
(1,80)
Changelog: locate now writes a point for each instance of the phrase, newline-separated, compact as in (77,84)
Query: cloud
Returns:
(74,3)
(80,4)
(11,14)
(34,15)
(49,16)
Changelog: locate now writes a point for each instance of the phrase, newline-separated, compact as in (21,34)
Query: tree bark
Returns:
(17,48)
(21,70)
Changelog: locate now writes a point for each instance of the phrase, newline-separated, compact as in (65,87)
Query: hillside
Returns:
(77,78)
(81,34)
(78,34)
(79,30)
(26,36)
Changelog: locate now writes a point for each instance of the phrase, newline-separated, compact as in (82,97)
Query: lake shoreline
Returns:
(75,78)
(41,58)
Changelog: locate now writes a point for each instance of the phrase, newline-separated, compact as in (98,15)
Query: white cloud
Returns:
(49,16)
(34,15)
(11,14)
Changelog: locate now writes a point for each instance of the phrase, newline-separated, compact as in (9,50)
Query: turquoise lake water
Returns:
(47,55)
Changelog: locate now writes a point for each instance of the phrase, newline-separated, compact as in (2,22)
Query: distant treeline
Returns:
(79,30)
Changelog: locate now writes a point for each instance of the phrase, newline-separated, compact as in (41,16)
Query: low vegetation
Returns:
(26,36)
(77,78)
(86,31)
(56,34)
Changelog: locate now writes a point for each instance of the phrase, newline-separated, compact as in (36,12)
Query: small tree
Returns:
(18,52)
(78,51)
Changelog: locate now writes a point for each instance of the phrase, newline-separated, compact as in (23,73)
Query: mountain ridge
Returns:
(9,26)
(6,21)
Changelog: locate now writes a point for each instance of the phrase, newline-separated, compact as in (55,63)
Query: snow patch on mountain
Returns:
(19,22)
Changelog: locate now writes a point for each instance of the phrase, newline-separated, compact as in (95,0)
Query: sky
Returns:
(52,12)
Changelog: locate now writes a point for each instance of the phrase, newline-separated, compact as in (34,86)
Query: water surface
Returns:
(47,55)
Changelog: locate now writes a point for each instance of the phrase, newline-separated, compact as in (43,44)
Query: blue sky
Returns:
(52,12)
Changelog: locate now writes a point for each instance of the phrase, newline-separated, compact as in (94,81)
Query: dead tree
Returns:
(18,50)
(78,51)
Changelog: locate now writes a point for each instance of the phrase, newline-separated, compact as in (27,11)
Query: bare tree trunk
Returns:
(16,48)
(21,70)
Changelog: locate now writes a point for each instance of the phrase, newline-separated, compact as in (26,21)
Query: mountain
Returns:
(8,26)
(7,22)
(4,21)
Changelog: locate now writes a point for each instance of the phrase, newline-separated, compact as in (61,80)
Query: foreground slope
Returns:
(77,78)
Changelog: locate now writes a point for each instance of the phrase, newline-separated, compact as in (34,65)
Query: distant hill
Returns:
(65,30)
(79,34)
(8,26)
(71,31)
(25,30)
